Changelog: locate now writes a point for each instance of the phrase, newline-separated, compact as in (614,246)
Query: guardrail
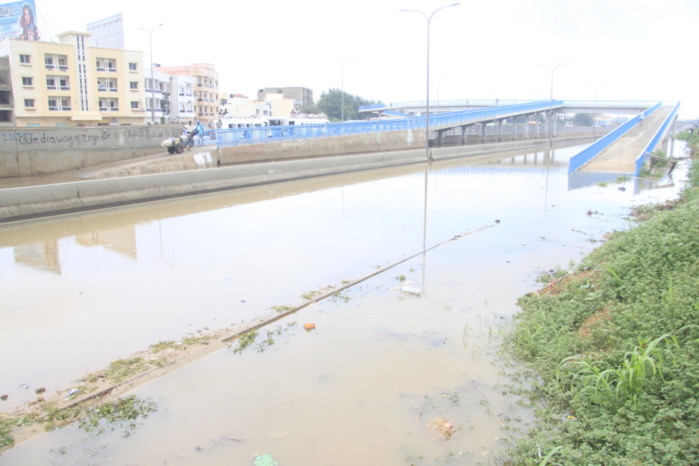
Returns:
(261,134)
(641,160)
(496,102)
(593,150)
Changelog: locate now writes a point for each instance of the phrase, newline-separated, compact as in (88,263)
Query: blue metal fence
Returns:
(593,150)
(261,134)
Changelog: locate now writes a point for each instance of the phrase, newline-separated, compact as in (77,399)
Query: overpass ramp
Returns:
(621,156)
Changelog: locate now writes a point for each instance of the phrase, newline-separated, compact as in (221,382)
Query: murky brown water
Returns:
(382,364)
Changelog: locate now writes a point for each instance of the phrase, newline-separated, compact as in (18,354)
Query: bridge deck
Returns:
(621,156)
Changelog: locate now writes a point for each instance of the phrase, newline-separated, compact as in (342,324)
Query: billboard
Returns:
(18,20)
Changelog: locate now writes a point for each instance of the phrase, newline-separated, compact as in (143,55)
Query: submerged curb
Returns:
(55,199)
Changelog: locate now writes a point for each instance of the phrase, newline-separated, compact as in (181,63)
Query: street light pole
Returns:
(342,96)
(552,70)
(427,97)
(152,77)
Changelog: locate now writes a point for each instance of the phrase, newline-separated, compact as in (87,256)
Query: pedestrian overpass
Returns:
(458,122)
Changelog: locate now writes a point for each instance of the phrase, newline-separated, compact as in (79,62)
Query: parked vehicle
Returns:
(178,144)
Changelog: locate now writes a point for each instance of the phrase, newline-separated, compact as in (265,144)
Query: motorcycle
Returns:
(178,144)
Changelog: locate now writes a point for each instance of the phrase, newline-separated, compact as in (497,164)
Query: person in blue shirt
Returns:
(199,131)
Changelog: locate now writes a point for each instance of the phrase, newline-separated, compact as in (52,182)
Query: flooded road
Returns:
(448,248)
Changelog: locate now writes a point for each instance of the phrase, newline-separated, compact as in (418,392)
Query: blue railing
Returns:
(442,103)
(622,104)
(641,160)
(261,134)
(593,150)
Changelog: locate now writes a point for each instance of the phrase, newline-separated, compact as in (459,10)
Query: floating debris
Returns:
(443,427)
(410,290)
(265,460)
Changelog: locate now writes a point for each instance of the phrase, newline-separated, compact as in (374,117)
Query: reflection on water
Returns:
(82,290)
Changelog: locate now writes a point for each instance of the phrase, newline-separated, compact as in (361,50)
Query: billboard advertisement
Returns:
(18,20)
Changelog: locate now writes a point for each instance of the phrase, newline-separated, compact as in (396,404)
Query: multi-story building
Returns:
(70,83)
(206,90)
(182,99)
(302,97)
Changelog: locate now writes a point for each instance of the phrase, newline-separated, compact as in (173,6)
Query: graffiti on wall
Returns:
(71,139)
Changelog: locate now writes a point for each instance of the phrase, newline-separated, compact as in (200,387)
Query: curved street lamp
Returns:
(152,77)
(553,69)
(427,98)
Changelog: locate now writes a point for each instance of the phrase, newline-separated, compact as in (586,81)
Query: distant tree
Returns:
(165,103)
(331,103)
(583,119)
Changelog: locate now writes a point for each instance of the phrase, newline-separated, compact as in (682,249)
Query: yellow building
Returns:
(206,90)
(70,83)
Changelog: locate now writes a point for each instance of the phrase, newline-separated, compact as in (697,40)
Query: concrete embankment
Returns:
(52,199)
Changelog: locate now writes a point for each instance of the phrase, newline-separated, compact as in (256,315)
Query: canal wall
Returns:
(42,200)
(30,151)
(321,147)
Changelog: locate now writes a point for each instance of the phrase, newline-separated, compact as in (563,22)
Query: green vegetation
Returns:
(332,102)
(123,412)
(6,426)
(186,342)
(245,340)
(612,351)
(248,338)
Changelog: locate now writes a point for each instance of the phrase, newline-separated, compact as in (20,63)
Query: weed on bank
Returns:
(612,350)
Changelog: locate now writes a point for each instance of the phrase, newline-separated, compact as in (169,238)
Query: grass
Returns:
(611,356)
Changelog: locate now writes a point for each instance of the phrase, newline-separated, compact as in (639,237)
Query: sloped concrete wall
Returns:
(43,151)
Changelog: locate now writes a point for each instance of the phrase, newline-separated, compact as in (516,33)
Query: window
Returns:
(133,66)
(56,62)
(106,64)
(28,103)
(59,104)
(107,84)
(135,105)
(25,59)
(133,85)
(27,81)
(58,82)
(107,104)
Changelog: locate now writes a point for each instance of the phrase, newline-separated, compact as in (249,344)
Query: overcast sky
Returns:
(614,49)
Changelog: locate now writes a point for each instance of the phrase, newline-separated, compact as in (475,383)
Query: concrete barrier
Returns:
(43,200)
(42,151)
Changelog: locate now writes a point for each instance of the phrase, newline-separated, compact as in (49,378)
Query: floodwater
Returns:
(434,258)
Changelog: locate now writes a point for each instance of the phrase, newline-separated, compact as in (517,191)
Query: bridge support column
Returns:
(500,130)
(463,135)
(526,127)
(483,125)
